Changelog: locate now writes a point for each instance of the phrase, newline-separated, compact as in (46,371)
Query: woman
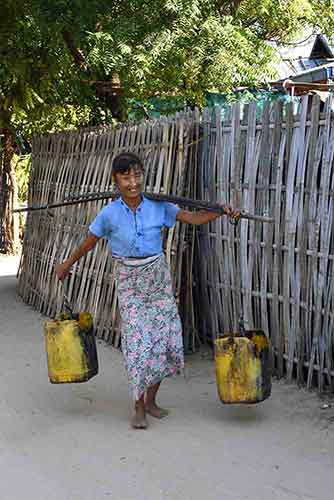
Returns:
(151,327)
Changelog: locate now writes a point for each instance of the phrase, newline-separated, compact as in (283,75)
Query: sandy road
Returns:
(73,442)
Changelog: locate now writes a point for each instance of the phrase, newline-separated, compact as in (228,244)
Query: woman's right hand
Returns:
(62,270)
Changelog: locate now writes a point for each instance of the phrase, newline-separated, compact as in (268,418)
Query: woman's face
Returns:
(130,182)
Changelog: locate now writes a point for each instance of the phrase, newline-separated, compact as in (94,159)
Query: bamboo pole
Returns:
(179,200)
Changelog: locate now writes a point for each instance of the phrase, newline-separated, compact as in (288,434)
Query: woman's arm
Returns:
(63,269)
(204,216)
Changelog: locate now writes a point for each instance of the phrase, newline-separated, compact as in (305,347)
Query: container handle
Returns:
(66,302)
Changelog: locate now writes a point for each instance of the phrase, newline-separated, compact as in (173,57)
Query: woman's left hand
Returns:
(231,212)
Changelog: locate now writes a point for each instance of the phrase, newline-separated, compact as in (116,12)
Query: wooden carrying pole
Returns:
(179,200)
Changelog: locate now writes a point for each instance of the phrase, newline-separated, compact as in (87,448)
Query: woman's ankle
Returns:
(140,406)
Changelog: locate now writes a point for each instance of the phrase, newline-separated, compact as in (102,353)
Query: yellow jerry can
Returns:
(243,367)
(71,348)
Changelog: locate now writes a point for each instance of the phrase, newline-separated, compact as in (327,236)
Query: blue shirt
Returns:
(134,234)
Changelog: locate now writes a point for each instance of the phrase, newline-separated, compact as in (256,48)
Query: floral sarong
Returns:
(151,328)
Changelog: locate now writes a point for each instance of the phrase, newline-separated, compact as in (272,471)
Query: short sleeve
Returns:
(99,225)
(171,212)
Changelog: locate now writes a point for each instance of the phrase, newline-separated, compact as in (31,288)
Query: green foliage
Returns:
(51,118)
(22,169)
(275,20)
(161,47)
(36,71)
(323,16)
(188,47)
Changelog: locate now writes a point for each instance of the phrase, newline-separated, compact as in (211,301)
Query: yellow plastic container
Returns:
(71,349)
(243,367)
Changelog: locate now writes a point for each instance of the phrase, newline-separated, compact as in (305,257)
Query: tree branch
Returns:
(228,7)
(77,54)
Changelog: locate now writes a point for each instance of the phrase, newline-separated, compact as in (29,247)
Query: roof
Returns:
(321,48)
(305,58)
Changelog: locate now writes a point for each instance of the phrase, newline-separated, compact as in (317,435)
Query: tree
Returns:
(80,61)
(193,46)
(36,73)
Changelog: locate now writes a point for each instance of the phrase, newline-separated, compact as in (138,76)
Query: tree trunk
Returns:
(10,222)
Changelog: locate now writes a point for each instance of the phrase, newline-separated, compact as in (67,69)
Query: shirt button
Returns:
(138,234)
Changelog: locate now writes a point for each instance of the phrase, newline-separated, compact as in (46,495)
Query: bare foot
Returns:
(155,411)
(139,421)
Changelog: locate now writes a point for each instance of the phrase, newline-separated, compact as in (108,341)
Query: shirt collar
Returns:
(143,201)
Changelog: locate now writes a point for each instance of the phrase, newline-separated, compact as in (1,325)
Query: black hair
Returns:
(125,161)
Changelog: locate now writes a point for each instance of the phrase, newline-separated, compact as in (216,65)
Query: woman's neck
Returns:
(132,203)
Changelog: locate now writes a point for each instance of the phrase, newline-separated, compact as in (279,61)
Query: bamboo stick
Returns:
(186,202)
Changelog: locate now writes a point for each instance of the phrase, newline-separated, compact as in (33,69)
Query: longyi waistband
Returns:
(137,261)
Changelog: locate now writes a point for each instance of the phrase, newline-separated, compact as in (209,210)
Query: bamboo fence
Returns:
(277,163)
(80,162)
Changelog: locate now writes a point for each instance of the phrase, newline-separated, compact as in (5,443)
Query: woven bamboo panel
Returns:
(280,275)
(80,162)
(277,163)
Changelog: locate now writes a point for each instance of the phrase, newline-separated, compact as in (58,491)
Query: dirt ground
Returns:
(74,442)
